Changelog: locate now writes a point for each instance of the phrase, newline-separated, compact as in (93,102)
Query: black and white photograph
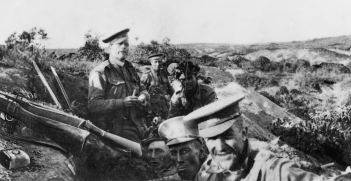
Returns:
(175,90)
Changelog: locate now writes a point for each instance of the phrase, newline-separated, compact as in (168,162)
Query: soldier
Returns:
(159,156)
(115,96)
(185,146)
(192,95)
(231,157)
(160,90)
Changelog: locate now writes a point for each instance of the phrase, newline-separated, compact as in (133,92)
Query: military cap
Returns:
(118,37)
(151,136)
(176,131)
(215,118)
(158,55)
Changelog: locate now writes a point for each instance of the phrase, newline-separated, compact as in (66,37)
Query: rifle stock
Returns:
(114,139)
(70,137)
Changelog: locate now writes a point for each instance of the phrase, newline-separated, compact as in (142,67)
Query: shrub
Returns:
(327,132)
(251,80)
(91,51)
(171,53)
(262,63)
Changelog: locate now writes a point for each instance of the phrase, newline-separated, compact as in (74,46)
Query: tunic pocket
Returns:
(116,85)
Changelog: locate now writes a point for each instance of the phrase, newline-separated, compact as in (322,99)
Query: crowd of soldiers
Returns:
(185,132)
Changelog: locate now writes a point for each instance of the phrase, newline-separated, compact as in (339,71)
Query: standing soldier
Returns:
(158,86)
(115,94)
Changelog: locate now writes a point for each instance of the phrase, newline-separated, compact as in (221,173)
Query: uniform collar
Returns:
(126,64)
(154,72)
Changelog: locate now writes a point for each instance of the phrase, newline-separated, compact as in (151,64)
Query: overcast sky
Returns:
(183,21)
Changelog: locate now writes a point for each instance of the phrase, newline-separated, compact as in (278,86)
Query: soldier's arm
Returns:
(97,104)
(170,90)
(175,109)
(144,83)
(211,96)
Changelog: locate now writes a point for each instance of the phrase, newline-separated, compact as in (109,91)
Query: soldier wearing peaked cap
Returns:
(189,94)
(230,156)
(158,86)
(115,94)
(158,156)
(185,146)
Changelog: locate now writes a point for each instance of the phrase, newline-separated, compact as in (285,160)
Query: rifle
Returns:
(42,78)
(57,124)
(61,87)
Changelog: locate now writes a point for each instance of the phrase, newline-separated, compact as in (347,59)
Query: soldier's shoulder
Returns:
(128,64)
(206,88)
(101,67)
(264,155)
(146,74)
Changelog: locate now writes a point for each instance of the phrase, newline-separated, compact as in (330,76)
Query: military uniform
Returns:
(108,86)
(168,174)
(158,86)
(203,96)
(265,167)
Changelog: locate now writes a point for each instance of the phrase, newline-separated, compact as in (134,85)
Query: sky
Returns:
(183,21)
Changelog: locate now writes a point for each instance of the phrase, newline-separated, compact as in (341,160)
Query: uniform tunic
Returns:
(203,96)
(266,167)
(108,86)
(168,174)
(158,86)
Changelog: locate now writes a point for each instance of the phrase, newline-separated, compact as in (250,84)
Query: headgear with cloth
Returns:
(183,70)
(217,117)
(176,131)
(151,136)
(117,37)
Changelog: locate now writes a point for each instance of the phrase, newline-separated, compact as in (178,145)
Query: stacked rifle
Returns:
(68,131)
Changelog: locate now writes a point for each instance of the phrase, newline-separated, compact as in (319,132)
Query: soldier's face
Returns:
(226,148)
(119,50)
(187,158)
(158,154)
(156,63)
(188,82)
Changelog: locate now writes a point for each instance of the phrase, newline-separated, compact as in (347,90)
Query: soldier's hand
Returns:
(142,99)
(130,101)
(167,97)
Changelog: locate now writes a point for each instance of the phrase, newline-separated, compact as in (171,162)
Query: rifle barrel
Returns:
(61,87)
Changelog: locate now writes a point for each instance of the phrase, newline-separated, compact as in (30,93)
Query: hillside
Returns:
(340,42)
(297,91)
